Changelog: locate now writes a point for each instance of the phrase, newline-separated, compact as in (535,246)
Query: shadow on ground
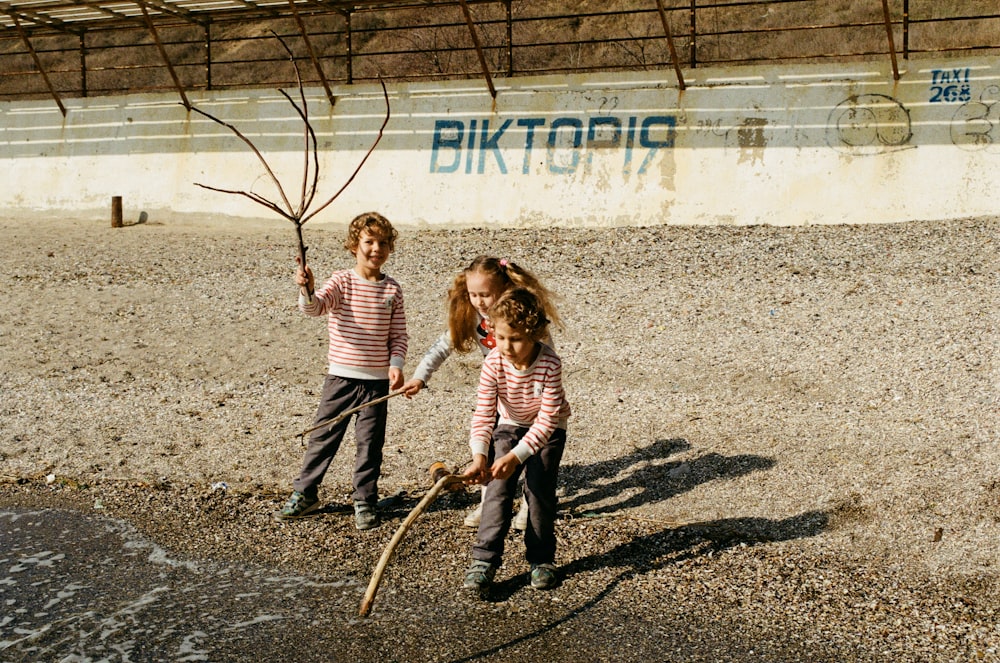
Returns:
(644,477)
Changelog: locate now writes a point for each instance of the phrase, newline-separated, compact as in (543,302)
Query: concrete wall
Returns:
(778,145)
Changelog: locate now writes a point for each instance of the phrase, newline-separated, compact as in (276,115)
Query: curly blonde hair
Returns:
(462,315)
(523,311)
(376,225)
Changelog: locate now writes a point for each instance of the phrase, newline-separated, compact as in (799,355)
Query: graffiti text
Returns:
(560,146)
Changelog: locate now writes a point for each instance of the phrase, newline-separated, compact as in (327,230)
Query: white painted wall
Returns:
(781,145)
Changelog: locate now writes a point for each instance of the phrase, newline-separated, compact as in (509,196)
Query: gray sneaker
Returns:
(365,516)
(543,576)
(299,505)
(479,576)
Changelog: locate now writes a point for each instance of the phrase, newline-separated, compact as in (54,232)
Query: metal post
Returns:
(479,48)
(670,43)
(892,45)
(208,56)
(510,41)
(83,64)
(116,212)
(312,53)
(350,50)
(38,63)
(906,29)
(163,54)
(694,34)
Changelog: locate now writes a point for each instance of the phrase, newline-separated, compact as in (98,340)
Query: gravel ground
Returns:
(783,446)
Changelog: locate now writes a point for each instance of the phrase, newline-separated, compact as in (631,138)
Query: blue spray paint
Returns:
(569,142)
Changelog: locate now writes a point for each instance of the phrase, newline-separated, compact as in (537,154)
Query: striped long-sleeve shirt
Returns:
(366,322)
(533,398)
(443,348)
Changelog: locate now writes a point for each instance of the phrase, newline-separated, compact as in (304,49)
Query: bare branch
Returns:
(310,176)
(257,198)
(307,198)
(253,147)
(385,93)
(309,135)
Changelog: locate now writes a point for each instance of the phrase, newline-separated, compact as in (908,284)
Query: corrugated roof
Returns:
(75,16)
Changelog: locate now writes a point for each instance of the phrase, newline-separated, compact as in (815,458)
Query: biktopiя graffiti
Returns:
(561,146)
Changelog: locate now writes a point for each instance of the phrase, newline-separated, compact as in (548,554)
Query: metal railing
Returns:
(454,40)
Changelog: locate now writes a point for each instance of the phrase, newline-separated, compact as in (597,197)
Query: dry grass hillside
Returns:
(543,36)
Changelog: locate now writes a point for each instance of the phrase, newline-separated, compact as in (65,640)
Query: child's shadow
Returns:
(644,477)
(658,550)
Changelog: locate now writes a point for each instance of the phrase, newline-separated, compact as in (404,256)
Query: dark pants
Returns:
(340,394)
(540,474)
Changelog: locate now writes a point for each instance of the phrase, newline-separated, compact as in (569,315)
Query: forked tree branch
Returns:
(260,157)
(385,94)
(297,214)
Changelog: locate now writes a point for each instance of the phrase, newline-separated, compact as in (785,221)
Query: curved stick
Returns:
(346,413)
(443,483)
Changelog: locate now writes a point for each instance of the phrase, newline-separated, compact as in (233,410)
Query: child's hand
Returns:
(412,387)
(504,467)
(304,276)
(477,472)
(395,378)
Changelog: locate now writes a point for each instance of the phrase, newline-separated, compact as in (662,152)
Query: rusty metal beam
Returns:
(312,53)
(892,43)
(670,43)
(510,39)
(38,63)
(479,48)
(163,54)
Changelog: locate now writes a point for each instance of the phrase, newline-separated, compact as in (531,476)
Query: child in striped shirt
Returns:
(366,323)
(519,426)
(473,292)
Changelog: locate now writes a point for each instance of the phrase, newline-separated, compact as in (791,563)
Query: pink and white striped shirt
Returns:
(366,322)
(532,398)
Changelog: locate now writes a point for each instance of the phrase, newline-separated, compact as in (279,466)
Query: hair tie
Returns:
(503,262)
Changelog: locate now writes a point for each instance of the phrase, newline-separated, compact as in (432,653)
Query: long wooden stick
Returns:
(443,483)
(346,413)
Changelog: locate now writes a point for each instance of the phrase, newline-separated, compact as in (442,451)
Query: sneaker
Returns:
(474,517)
(520,522)
(365,516)
(479,576)
(298,505)
(543,576)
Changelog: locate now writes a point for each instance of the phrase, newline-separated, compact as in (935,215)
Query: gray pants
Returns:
(341,394)
(540,474)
